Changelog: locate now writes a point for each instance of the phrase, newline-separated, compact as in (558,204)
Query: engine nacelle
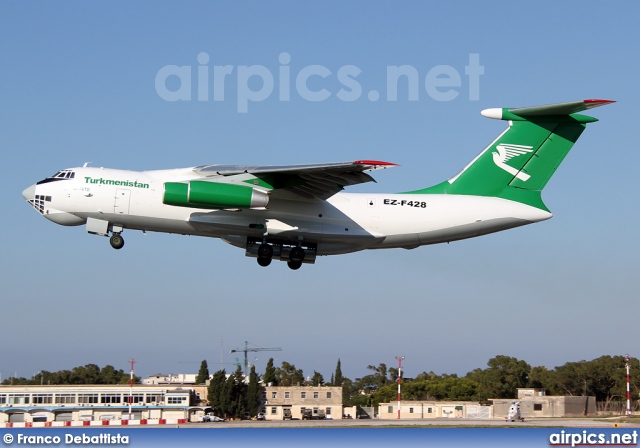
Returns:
(203,194)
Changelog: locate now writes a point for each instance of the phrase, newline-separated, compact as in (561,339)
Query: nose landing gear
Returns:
(116,240)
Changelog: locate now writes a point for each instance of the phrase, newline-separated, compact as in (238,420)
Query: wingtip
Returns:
(597,103)
(374,163)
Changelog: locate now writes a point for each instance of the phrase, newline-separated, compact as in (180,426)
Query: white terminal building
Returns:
(67,403)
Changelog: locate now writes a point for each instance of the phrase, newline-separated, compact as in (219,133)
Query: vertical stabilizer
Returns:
(520,161)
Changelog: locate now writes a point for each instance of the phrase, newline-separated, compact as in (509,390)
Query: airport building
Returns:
(535,403)
(280,402)
(162,379)
(94,403)
(435,409)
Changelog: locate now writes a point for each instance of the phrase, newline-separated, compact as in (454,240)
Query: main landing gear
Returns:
(296,257)
(265,251)
(116,240)
(265,255)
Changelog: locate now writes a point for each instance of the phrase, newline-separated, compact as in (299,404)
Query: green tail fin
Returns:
(519,163)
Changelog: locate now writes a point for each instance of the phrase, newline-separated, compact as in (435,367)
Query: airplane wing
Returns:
(320,180)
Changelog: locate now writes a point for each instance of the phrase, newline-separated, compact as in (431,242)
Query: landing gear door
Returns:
(121,204)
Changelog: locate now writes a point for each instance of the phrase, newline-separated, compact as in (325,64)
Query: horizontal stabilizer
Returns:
(543,111)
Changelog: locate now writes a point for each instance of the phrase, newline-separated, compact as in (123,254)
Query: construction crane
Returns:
(253,349)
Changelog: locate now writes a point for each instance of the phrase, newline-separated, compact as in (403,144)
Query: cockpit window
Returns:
(64,174)
(59,175)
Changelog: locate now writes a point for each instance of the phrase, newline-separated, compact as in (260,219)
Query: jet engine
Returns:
(213,195)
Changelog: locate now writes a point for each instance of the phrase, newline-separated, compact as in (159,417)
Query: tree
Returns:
(288,375)
(108,375)
(380,374)
(317,379)
(429,387)
(89,374)
(540,377)
(603,377)
(366,384)
(253,393)
(351,395)
(393,374)
(269,377)
(502,378)
(374,381)
(570,379)
(203,373)
(216,389)
(238,393)
(337,377)
(227,402)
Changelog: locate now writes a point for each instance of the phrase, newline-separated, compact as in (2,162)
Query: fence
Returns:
(617,407)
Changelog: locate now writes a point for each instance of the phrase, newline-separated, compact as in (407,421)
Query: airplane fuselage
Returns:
(294,213)
(345,222)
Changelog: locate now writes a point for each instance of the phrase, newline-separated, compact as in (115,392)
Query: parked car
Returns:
(211,418)
(261,416)
(308,414)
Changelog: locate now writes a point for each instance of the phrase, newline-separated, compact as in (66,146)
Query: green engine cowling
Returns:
(203,194)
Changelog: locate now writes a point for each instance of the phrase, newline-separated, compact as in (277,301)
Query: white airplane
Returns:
(295,213)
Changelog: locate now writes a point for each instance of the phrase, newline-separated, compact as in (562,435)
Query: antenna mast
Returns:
(132,361)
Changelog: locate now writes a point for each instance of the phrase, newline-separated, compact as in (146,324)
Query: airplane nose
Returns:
(29,193)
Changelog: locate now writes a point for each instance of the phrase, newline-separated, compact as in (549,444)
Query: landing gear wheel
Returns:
(264,262)
(296,255)
(116,240)
(294,264)
(265,251)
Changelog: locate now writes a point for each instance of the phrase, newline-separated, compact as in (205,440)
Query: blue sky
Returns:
(78,84)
